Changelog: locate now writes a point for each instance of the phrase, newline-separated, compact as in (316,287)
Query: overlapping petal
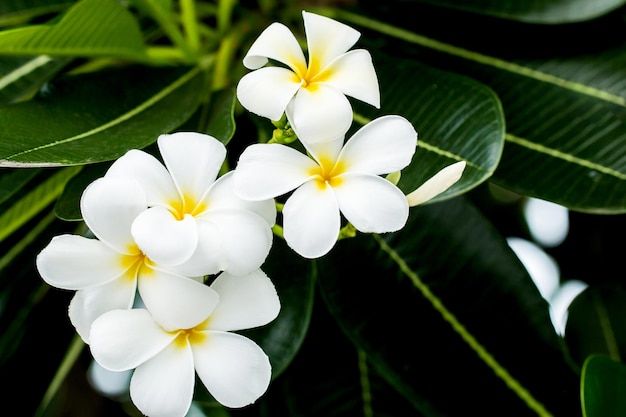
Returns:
(74,262)
(246,301)
(151,174)
(276,42)
(384,145)
(165,239)
(265,171)
(109,206)
(267,91)
(124,339)
(319,113)
(233,368)
(175,301)
(222,196)
(244,237)
(326,39)
(311,219)
(163,386)
(371,203)
(192,161)
(354,75)
(90,303)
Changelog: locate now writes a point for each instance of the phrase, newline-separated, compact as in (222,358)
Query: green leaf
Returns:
(34,201)
(566,135)
(603,383)
(89,28)
(595,323)
(99,116)
(221,115)
(14,12)
(456,119)
(12,180)
(538,11)
(67,206)
(445,303)
(23,77)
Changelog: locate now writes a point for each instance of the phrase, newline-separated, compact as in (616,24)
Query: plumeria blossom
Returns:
(165,357)
(312,95)
(194,224)
(333,180)
(107,271)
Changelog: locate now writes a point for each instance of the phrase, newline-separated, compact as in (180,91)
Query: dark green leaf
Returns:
(67,206)
(221,115)
(538,11)
(11,181)
(595,323)
(14,12)
(447,313)
(456,119)
(603,383)
(566,134)
(21,78)
(89,28)
(99,116)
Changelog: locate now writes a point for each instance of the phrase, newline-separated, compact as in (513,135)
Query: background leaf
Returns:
(602,386)
(455,117)
(89,28)
(409,331)
(14,12)
(566,134)
(21,77)
(538,11)
(98,117)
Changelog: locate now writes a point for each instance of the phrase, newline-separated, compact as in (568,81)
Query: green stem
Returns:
(190,24)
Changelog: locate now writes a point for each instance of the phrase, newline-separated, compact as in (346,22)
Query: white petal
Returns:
(245,238)
(163,238)
(278,43)
(222,196)
(371,203)
(193,160)
(207,258)
(267,91)
(246,301)
(109,206)
(151,175)
(311,220)
(233,368)
(265,171)
(353,74)
(75,262)
(437,184)
(319,114)
(90,303)
(175,302)
(384,145)
(124,339)
(327,38)
(163,386)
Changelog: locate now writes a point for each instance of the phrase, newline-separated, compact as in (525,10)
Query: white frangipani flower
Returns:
(107,271)
(195,224)
(233,368)
(335,180)
(313,95)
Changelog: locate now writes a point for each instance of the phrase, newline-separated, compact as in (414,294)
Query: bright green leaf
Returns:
(89,28)
(99,116)
(603,383)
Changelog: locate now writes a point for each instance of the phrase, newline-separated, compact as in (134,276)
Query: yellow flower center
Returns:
(193,336)
(327,173)
(187,205)
(136,264)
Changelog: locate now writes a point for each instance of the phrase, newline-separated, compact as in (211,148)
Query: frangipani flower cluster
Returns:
(161,228)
